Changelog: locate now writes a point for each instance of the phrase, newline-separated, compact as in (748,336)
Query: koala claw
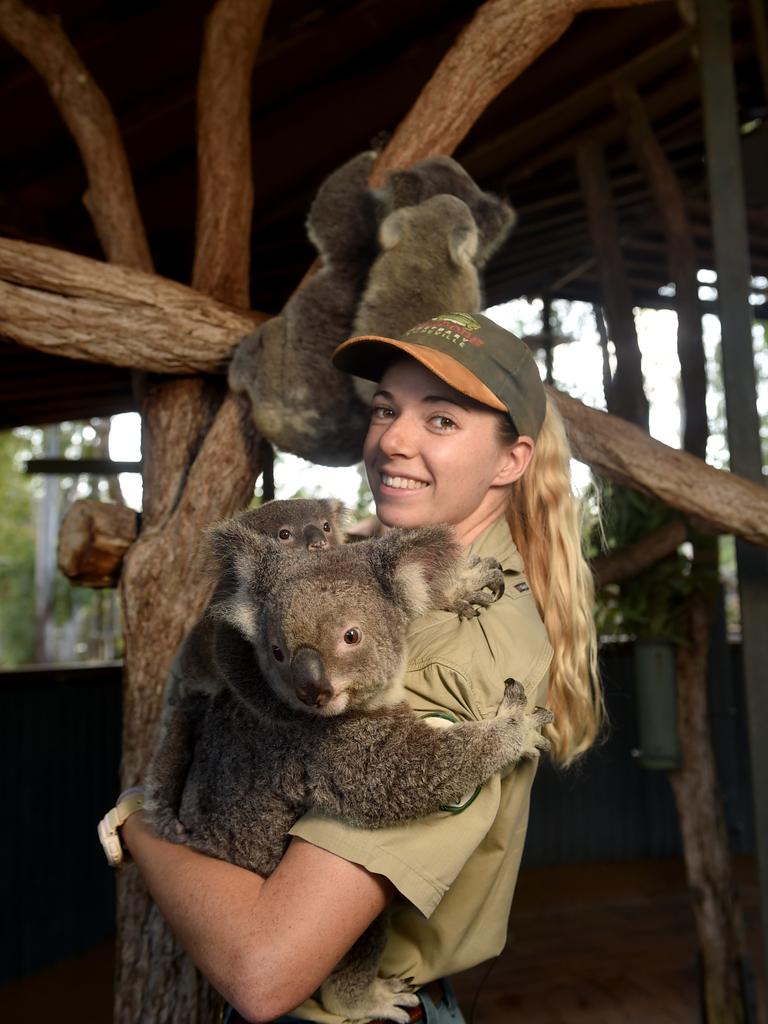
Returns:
(514,695)
(386,999)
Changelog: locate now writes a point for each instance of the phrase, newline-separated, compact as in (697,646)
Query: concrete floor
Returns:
(599,943)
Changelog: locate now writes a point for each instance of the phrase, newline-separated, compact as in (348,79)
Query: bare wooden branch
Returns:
(73,306)
(225,188)
(623,452)
(93,539)
(500,42)
(110,199)
(636,558)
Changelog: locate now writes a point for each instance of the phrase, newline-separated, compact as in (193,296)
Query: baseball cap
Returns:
(468,351)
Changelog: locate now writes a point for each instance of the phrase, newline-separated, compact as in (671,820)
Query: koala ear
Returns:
(240,556)
(391,230)
(413,566)
(462,244)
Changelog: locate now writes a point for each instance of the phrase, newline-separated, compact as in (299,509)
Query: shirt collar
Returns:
(496,542)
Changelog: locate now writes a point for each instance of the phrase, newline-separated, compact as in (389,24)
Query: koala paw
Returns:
(386,999)
(480,583)
(528,723)
(165,823)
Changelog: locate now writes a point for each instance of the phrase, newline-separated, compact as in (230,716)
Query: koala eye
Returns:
(277,653)
(284,534)
(327,527)
(353,636)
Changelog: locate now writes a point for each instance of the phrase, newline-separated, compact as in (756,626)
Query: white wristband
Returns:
(130,801)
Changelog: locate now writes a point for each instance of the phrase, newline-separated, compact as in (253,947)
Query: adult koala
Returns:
(313,715)
(298,399)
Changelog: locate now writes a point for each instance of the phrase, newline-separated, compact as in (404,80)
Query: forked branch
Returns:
(111,200)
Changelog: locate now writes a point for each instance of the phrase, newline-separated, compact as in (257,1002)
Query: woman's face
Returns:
(435,456)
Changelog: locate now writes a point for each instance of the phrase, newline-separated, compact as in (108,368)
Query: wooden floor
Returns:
(604,944)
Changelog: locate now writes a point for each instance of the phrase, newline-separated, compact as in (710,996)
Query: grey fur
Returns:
(440,175)
(425,267)
(325,727)
(307,524)
(298,399)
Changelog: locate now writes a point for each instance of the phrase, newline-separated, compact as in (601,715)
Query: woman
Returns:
(460,432)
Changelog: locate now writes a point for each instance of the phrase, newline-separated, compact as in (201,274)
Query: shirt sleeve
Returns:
(421,858)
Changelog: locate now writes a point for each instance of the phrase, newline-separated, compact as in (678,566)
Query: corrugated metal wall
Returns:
(59,754)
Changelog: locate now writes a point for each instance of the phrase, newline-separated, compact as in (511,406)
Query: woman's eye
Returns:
(277,654)
(353,636)
(381,412)
(284,534)
(443,422)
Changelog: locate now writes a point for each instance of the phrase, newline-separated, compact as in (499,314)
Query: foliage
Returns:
(17,555)
(651,604)
(59,622)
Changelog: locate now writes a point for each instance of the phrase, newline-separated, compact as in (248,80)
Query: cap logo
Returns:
(457,328)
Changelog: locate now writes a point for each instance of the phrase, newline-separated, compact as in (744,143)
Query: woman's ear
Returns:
(514,461)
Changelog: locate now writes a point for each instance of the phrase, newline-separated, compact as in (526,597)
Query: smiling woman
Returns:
(460,433)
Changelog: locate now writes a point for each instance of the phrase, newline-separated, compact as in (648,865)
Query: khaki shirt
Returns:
(455,871)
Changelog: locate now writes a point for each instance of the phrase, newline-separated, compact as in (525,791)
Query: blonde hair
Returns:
(544,518)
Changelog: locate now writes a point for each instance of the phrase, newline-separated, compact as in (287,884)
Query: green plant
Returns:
(652,603)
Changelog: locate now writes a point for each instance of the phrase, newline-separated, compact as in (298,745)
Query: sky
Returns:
(577,369)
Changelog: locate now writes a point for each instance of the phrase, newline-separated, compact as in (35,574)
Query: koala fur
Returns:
(305,524)
(425,267)
(313,715)
(439,175)
(298,399)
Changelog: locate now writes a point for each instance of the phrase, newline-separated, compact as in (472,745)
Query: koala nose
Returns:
(309,679)
(314,538)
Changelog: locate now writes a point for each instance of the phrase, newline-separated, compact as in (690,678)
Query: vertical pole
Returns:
(726,191)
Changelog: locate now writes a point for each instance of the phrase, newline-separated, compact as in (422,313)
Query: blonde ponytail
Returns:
(545,521)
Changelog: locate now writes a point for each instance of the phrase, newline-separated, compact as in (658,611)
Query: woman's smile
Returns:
(433,455)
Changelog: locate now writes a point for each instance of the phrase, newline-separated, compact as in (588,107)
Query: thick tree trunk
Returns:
(201,454)
(714,896)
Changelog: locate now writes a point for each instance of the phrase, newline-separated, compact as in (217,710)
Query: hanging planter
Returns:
(655,664)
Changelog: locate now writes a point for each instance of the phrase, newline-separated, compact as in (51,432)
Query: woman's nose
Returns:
(398,438)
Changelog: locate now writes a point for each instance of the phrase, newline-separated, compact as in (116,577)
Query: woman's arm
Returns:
(265,944)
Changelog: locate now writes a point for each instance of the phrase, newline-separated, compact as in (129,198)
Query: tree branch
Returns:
(500,42)
(74,306)
(625,453)
(635,558)
(233,33)
(110,199)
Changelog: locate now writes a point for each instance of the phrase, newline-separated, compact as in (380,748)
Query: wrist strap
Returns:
(128,803)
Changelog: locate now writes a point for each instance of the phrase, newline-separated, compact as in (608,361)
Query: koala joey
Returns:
(426,266)
(313,715)
(299,400)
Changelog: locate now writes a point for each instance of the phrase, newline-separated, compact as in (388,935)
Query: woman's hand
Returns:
(265,944)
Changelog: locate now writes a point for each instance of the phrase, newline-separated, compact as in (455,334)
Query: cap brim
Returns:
(367,356)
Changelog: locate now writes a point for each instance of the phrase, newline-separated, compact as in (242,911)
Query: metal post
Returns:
(726,189)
